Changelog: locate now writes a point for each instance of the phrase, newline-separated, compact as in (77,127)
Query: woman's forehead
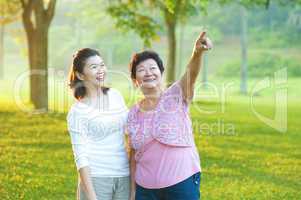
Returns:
(94,60)
(147,62)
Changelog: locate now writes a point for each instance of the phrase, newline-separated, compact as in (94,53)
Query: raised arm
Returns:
(188,80)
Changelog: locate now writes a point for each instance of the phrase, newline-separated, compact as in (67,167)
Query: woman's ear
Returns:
(79,76)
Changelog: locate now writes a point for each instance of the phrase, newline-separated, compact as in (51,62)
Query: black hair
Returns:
(78,63)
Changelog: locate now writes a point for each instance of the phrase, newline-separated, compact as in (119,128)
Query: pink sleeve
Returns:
(175,92)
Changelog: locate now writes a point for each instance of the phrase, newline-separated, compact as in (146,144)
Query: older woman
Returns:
(164,160)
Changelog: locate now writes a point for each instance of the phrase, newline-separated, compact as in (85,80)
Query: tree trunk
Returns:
(181,45)
(39,69)
(37,40)
(2,32)
(270,13)
(244,53)
(170,21)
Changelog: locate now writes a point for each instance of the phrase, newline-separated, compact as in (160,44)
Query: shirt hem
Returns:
(170,184)
(109,175)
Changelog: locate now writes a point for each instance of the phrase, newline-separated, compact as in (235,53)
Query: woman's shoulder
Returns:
(173,96)
(133,110)
(173,89)
(115,93)
(76,109)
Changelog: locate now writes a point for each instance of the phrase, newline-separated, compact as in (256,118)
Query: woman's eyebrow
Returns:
(96,64)
(140,66)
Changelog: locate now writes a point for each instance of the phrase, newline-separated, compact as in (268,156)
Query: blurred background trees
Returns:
(36,17)
(252,38)
(9,12)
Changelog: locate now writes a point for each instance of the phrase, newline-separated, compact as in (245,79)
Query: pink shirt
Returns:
(163,140)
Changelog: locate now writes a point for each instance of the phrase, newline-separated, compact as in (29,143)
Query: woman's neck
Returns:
(151,98)
(151,93)
(96,99)
(93,95)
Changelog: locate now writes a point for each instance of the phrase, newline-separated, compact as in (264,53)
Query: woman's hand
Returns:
(86,183)
(202,44)
(132,197)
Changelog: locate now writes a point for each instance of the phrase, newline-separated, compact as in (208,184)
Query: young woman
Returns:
(96,125)
(164,159)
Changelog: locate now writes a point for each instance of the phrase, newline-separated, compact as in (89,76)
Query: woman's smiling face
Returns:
(148,74)
(94,71)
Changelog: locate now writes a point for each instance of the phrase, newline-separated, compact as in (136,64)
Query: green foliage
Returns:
(264,64)
(143,17)
(127,18)
(246,3)
(10,11)
(279,26)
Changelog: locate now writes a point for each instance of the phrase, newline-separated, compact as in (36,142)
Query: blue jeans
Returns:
(189,189)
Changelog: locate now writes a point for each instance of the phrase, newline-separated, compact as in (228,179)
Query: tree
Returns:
(10,12)
(244,49)
(244,5)
(134,15)
(37,16)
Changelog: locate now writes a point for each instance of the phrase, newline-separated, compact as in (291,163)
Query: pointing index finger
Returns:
(202,35)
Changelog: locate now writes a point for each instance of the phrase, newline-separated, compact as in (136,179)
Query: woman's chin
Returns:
(149,85)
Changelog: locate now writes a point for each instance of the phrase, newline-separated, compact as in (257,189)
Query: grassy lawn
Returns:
(251,161)
(242,157)
(256,162)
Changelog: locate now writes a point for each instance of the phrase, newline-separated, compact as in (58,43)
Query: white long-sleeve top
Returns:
(97,137)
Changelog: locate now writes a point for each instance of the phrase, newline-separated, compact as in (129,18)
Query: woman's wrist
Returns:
(92,196)
(197,54)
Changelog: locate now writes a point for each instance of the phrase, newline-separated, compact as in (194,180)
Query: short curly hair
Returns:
(137,58)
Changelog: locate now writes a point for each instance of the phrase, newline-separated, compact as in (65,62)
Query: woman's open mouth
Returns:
(99,78)
(149,80)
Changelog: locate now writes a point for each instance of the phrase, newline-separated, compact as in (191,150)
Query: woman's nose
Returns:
(147,71)
(100,69)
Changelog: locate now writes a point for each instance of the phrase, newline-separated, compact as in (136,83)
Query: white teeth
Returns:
(149,80)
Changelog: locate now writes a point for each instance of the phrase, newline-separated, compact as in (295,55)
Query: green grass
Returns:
(252,161)
(256,162)
(36,161)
